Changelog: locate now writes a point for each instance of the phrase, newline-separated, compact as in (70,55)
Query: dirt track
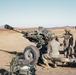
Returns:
(11,41)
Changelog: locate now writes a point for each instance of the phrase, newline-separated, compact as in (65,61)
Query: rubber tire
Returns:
(35,52)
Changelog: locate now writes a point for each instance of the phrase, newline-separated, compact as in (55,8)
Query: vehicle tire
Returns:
(31,53)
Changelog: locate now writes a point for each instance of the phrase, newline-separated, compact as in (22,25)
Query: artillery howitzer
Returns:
(40,39)
(31,53)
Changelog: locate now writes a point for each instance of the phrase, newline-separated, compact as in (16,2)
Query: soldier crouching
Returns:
(52,51)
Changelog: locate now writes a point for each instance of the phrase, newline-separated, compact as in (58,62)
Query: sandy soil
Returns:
(11,41)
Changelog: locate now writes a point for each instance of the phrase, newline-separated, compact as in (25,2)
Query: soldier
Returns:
(52,52)
(43,42)
(68,43)
(75,49)
(40,29)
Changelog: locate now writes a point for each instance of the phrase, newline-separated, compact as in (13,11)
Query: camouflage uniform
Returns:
(75,49)
(68,43)
(42,36)
(52,52)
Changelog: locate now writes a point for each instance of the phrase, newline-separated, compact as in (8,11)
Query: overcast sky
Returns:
(34,13)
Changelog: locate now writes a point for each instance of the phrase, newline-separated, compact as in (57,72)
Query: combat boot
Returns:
(55,65)
(46,66)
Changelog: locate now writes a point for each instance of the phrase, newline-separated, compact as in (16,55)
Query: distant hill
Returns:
(63,27)
(2,27)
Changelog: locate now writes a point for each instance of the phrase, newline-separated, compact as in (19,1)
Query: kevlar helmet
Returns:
(53,36)
(67,29)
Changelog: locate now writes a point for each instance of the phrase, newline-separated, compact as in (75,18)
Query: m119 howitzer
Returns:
(40,38)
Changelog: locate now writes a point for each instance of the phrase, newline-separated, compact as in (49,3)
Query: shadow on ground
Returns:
(14,52)
(71,65)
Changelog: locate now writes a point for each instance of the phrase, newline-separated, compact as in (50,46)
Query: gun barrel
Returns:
(12,28)
(17,31)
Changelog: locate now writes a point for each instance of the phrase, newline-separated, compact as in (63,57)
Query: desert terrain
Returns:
(11,41)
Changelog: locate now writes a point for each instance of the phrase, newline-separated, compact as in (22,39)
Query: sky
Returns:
(34,13)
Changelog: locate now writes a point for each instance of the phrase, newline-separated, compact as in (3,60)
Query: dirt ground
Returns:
(11,41)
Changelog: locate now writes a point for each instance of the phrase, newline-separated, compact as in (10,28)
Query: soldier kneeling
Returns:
(52,51)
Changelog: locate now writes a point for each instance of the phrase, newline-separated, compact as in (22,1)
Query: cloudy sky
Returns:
(34,13)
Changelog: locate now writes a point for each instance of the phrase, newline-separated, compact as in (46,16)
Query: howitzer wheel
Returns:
(31,53)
